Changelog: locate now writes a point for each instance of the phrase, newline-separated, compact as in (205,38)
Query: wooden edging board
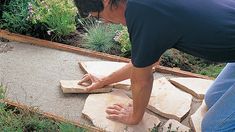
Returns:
(40,42)
(50,115)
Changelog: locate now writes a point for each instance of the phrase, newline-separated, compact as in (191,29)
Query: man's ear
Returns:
(106,3)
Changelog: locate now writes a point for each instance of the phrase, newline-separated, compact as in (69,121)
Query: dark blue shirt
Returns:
(203,28)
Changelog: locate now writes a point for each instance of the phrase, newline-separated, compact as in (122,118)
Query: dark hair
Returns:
(87,6)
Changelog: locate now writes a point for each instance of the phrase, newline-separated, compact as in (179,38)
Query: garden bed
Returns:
(58,21)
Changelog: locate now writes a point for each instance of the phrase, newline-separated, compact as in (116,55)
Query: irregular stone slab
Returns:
(195,86)
(96,105)
(71,86)
(169,101)
(175,126)
(196,118)
(105,68)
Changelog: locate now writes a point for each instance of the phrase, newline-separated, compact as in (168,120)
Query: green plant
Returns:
(175,58)
(14,17)
(66,127)
(122,37)
(100,37)
(57,15)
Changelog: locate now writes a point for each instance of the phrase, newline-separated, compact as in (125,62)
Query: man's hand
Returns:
(121,113)
(91,82)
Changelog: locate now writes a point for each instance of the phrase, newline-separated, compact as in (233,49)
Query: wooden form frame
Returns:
(54,45)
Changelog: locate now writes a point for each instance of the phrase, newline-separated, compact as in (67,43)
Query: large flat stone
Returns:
(105,68)
(71,86)
(96,105)
(175,126)
(195,86)
(169,101)
(196,118)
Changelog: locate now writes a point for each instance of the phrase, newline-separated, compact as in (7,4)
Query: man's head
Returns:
(110,10)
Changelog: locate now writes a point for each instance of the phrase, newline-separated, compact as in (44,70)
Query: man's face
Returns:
(111,15)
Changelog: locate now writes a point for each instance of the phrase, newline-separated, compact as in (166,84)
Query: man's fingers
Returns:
(112,111)
(85,79)
(114,107)
(92,87)
(113,116)
(120,105)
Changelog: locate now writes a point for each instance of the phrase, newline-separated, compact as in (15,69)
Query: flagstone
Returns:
(71,86)
(175,126)
(96,104)
(196,118)
(169,101)
(195,86)
(105,68)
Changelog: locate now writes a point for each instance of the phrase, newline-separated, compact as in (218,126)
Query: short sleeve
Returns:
(152,31)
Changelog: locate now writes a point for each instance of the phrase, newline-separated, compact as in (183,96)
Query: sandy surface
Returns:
(32,75)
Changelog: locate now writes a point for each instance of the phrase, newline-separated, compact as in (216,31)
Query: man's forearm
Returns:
(141,83)
(119,75)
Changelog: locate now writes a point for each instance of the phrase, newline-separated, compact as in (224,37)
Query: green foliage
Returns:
(211,70)
(122,37)
(14,17)
(12,119)
(175,58)
(66,127)
(100,37)
(57,15)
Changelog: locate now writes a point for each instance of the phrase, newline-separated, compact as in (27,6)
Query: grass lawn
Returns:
(13,119)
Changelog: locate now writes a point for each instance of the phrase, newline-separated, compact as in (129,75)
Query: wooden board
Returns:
(96,105)
(194,86)
(175,126)
(105,68)
(196,118)
(71,86)
(168,101)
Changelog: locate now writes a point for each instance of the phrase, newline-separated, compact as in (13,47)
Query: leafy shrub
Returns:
(14,18)
(58,16)
(100,37)
(122,37)
(186,62)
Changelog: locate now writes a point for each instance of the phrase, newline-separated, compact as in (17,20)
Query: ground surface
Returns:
(32,75)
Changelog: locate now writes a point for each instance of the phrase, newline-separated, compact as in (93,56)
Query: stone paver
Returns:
(71,86)
(105,68)
(96,105)
(168,101)
(195,86)
(196,118)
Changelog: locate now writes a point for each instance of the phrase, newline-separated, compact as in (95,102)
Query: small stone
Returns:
(71,86)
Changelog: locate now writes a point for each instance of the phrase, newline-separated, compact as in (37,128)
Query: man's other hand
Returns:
(121,113)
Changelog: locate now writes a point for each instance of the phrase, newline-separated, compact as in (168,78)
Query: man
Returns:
(203,28)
